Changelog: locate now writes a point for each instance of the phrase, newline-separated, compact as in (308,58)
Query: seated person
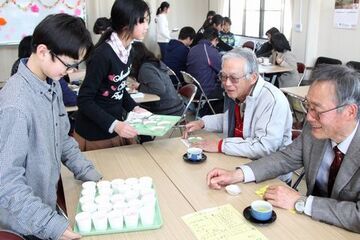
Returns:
(209,16)
(217,23)
(283,57)
(101,25)
(266,48)
(204,63)
(225,35)
(151,75)
(328,149)
(258,119)
(34,142)
(177,51)
(24,51)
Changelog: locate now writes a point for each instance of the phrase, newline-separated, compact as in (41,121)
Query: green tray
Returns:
(148,129)
(158,222)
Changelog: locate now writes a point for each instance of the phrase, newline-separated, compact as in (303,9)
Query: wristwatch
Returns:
(300,204)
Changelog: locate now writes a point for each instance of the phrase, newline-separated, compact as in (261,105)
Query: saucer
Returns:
(203,158)
(248,217)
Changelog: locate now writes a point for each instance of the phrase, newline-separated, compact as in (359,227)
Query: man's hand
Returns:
(207,145)
(124,130)
(192,126)
(69,235)
(282,196)
(218,178)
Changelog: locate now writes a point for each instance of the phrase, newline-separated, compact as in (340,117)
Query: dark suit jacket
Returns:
(343,208)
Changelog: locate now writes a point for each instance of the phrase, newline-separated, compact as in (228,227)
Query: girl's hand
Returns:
(138,109)
(125,130)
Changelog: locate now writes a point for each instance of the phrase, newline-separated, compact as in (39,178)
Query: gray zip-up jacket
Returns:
(34,142)
(267,123)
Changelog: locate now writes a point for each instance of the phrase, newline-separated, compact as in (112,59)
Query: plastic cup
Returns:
(104,207)
(86,199)
(120,206)
(145,182)
(116,219)
(83,221)
(89,207)
(135,203)
(103,184)
(88,192)
(147,191)
(101,199)
(89,185)
(105,191)
(148,200)
(131,194)
(99,219)
(147,215)
(120,188)
(131,217)
(117,198)
(117,182)
(131,181)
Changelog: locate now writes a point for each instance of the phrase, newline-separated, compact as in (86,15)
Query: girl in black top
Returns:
(103,100)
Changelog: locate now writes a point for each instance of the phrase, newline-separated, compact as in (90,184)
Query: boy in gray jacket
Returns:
(33,132)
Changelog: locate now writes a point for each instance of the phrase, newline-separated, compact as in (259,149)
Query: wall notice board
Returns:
(18,18)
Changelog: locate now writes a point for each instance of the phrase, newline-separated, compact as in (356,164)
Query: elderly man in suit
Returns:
(328,149)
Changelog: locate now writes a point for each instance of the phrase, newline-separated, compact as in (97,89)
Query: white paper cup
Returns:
(89,207)
(88,192)
(131,194)
(145,182)
(100,220)
(148,200)
(116,219)
(266,60)
(89,185)
(147,215)
(121,206)
(86,199)
(120,188)
(101,199)
(103,184)
(117,182)
(105,191)
(147,191)
(83,221)
(131,217)
(135,203)
(117,198)
(104,207)
(131,181)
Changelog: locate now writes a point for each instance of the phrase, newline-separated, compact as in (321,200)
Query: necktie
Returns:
(334,168)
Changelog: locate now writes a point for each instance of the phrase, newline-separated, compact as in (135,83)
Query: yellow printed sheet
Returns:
(223,222)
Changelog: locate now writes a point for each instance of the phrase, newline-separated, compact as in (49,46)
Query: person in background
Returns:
(177,51)
(283,57)
(204,63)
(24,51)
(151,75)
(101,25)
(35,142)
(225,35)
(258,120)
(162,27)
(328,149)
(103,100)
(266,48)
(206,23)
(216,22)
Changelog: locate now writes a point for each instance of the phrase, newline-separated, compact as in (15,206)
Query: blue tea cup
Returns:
(261,210)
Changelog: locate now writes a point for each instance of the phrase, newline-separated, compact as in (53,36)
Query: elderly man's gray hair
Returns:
(251,65)
(346,81)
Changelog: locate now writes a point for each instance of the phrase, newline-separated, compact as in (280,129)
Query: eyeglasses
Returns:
(315,114)
(233,79)
(69,67)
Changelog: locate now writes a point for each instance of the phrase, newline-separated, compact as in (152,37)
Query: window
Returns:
(252,18)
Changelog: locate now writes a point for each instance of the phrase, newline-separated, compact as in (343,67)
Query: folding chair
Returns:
(301,68)
(10,235)
(174,78)
(301,176)
(188,92)
(249,44)
(203,98)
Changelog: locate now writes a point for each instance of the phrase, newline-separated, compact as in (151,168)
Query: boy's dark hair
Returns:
(101,24)
(162,7)
(186,32)
(63,34)
(279,42)
(24,50)
(227,20)
(125,14)
(140,55)
(211,33)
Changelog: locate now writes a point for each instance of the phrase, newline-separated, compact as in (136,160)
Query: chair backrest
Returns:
(173,76)
(249,44)
(188,91)
(301,68)
(354,64)
(9,235)
(326,60)
(187,77)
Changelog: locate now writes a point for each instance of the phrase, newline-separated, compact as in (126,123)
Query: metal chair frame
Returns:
(171,72)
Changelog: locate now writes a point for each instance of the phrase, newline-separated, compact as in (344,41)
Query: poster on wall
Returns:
(346,14)
(18,18)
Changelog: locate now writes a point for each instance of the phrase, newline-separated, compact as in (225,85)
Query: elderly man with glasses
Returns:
(258,119)
(328,149)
